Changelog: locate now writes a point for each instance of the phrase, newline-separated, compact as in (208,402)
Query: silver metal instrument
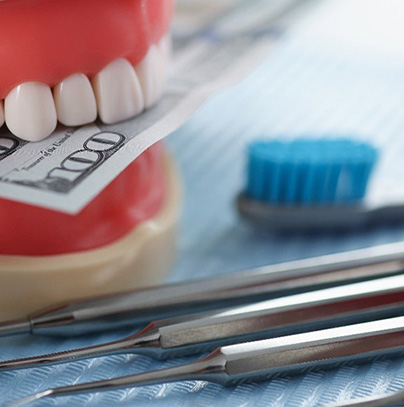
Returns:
(198,333)
(261,360)
(143,306)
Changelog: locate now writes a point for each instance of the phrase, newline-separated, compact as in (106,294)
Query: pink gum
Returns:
(48,40)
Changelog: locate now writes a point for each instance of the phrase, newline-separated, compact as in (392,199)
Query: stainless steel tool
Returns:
(261,360)
(198,333)
(142,306)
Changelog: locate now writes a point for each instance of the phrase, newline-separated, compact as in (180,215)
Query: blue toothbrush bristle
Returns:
(309,172)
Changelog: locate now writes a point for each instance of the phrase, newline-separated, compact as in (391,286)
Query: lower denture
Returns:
(134,197)
(86,44)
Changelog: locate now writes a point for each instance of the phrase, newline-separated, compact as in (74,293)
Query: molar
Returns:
(118,92)
(75,101)
(30,111)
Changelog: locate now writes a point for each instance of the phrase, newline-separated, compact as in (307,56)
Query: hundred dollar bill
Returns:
(67,170)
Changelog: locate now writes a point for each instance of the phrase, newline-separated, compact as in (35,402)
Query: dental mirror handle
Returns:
(262,360)
(197,333)
(145,305)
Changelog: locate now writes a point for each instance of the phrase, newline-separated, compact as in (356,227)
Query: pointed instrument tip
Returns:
(29,399)
(16,327)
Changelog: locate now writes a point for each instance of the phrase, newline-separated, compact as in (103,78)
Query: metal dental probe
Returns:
(145,305)
(203,332)
(262,360)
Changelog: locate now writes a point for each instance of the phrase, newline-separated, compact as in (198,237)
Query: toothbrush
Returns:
(312,184)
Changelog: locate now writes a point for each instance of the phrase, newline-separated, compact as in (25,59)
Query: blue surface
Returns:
(299,90)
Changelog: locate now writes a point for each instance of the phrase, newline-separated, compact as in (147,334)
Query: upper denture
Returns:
(47,41)
(71,60)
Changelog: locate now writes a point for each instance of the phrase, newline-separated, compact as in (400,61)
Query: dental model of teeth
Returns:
(103,58)
(71,61)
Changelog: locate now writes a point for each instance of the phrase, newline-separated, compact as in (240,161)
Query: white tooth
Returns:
(75,101)
(165,46)
(118,92)
(1,113)
(30,111)
(151,75)
(161,79)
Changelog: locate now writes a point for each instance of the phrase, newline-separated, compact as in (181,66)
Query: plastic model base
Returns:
(141,258)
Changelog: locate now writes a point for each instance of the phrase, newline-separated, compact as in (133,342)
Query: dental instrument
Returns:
(262,360)
(198,333)
(143,306)
(311,184)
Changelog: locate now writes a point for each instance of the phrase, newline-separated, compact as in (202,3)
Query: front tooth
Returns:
(1,113)
(30,111)
(118,92)
(151,75)
(75,101)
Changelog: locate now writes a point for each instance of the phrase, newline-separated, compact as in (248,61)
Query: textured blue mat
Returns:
(299,89)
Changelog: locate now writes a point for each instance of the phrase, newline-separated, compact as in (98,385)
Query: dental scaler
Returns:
(142,306)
